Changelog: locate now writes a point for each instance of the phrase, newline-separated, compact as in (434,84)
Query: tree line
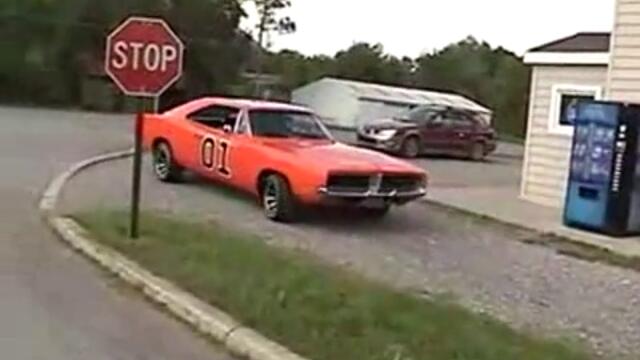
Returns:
(491,76)
(52,48)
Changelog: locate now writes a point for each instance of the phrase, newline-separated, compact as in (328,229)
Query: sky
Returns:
(413,27)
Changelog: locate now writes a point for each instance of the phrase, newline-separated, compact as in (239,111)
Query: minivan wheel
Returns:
(410,147)
(477,152)
(277,200)
(164,166)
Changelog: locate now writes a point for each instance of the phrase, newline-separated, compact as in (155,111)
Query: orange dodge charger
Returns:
(280,153)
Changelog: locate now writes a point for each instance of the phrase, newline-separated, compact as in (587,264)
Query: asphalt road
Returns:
(53,303)
(420,248)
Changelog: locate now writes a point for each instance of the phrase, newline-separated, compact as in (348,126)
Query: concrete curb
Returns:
(49,199)
(204,318)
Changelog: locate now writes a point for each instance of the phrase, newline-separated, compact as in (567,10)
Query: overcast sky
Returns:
(412,27)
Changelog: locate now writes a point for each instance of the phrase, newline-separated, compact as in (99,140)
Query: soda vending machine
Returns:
(603,193)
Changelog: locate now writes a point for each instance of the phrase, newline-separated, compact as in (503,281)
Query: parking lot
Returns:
(422,248)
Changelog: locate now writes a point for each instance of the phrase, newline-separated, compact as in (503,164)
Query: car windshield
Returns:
(286,124)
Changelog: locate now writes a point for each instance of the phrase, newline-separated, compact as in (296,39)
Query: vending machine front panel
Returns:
(591,167)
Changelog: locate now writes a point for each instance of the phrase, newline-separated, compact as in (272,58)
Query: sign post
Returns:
(144,58)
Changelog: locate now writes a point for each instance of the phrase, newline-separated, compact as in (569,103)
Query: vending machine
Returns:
(603,193)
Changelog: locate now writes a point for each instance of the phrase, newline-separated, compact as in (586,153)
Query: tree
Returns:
(58,39)
(496,78)
(269,22)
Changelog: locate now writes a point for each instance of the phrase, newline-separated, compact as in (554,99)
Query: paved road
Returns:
(423,249)
(54,304)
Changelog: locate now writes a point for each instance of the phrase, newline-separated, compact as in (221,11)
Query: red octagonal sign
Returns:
(144,56)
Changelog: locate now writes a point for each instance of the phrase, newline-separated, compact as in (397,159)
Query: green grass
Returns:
(318,311)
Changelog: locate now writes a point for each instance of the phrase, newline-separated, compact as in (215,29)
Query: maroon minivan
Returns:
(430,129)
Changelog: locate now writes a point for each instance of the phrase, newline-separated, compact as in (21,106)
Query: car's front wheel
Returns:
(410,148)
(278,202)
(164,165)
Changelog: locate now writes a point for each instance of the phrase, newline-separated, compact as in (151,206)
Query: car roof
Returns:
(248,104)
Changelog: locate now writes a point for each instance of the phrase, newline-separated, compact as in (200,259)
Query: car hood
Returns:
(336,157)
(389,123)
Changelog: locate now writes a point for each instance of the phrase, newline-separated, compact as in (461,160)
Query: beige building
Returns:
(585,65)
(568,69)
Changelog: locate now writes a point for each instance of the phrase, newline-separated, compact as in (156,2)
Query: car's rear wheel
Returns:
(164,165)
(410,147)
(278,202)
(477,152)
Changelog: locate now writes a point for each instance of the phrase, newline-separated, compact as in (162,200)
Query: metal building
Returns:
(346,104)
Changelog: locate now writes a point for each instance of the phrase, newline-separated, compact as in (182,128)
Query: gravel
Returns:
(423,249)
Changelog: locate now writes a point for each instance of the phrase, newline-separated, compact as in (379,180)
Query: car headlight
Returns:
(384,135)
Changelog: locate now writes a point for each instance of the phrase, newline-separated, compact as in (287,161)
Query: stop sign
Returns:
(144,56)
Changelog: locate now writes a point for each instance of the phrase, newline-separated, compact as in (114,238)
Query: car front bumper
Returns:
(394,197)
(393,145)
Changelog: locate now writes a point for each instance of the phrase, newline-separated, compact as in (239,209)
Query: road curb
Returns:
(49,199)
(203,318)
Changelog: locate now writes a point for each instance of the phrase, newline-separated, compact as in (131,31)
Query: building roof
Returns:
(406,96)
(580,42)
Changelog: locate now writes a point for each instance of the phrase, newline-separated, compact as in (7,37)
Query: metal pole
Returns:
(134,232)
(156,104)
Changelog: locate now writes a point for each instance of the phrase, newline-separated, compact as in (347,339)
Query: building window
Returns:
(564,99)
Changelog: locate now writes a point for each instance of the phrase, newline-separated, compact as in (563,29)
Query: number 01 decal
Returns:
(214,155)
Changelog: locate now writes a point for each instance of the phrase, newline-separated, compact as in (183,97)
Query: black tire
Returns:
(477,152)
(165,167)
(410,147)
(278,202)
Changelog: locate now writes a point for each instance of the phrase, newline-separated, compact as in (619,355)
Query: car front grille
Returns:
(348,183)
(400,183)
(375,183)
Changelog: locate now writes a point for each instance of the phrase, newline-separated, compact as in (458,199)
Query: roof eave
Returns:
(567,58)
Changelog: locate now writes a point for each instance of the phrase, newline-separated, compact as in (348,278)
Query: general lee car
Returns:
(280,153)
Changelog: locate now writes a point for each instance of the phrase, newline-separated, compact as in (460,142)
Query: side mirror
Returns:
(227,129)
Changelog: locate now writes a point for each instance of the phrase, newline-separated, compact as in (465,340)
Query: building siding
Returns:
(547,154)
(624,70)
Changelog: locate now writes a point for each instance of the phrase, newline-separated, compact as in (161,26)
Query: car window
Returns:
(286,124)
(454,118)
(421,115)
(216,116)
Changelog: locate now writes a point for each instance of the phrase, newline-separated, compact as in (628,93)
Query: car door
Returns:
(461,128)
(435,135)
(212,141)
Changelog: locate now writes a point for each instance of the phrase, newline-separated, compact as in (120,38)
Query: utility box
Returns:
(603,193)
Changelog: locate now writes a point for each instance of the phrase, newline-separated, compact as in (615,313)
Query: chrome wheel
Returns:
(277,200)
(161,162)
(270,199)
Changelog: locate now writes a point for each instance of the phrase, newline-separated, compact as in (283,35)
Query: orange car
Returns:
(281,153)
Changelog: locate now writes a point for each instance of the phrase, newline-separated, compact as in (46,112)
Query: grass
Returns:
(318,311)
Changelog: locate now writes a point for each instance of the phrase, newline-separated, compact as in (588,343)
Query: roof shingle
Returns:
(580,42)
